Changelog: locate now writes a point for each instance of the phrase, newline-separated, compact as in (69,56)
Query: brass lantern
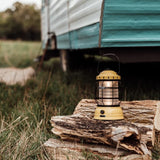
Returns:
(107,96)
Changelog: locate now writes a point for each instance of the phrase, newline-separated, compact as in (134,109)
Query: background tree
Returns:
(22,21)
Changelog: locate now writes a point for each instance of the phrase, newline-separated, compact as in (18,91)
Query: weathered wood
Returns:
(62,150)
(94,131)
(133,134)
(156,128)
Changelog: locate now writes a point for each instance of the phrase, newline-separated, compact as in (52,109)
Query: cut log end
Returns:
(156,130)
(157,118)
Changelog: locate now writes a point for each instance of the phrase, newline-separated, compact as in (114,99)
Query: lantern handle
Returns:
(110,55)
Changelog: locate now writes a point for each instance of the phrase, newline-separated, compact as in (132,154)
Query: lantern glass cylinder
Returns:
(107,92)
(107,96)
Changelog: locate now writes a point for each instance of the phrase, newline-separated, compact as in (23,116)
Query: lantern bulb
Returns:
(108,83)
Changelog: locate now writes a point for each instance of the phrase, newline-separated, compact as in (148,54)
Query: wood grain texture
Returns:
(136,133)
(63,150)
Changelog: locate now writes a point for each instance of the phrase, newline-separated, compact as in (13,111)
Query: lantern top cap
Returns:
(108,75)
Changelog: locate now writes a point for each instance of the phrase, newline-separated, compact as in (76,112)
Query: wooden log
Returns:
(156,134)
(134,133)
(62,150)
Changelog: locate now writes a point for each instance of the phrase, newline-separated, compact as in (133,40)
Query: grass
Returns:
(25,111)
(18,54)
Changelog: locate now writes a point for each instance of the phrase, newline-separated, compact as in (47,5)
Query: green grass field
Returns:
(25,111)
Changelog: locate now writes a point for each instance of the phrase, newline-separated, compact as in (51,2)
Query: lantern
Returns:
(107,96)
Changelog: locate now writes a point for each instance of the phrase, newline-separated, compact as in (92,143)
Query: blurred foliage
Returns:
(21,21)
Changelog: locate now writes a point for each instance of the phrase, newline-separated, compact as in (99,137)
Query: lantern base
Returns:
(108,113)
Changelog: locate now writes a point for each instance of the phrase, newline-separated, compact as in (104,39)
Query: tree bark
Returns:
(136,133)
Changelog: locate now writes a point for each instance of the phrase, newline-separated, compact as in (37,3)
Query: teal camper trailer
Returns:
(131,28)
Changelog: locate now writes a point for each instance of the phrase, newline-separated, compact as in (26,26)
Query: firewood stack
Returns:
(132,138)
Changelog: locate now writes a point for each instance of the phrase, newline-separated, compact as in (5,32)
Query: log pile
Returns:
(134,136)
